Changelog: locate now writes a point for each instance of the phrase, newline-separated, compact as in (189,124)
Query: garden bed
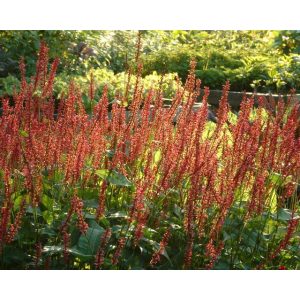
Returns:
(106,189)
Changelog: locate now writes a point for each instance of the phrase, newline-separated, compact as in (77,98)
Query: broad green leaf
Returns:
(47,202)
(116,228)
(279,179)
(119,214)
(102,173)
(34,210)
(48,231)
(23,133)
(58,176)
(90,216)
(88,243)
(91,203)
(118,179)
(104,222)
(113,177)
(81,254)
(18,200)
(157,156)
(48,216)
(95,225)
(165,254)
(90,194)
(222,265)
(286,215)
(177,211)
(226,236)
(273,200)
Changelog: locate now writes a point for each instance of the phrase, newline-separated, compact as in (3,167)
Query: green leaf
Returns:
(165,254)
(95,225)
(52,249)
(48,216)
(91,203)
(23,133)
(48,231)
(119,214)
(226,236)
(89,194)
(279,179)
(118,179)
(177,211)
(116,228)
(285,214)
(113,177)
(79,253)
(33,210)
(88,243)
(222,265)
(157,156)
(18,200)
(273,200)
(104,222)
(47,202)
(90,216)
(102,173)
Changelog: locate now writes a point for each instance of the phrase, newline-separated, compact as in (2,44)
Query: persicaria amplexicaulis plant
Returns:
(136,184)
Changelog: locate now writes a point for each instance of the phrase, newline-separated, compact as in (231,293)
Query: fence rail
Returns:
(234,98)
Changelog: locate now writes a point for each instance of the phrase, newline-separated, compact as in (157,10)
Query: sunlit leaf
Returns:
(23,133)
(118,179)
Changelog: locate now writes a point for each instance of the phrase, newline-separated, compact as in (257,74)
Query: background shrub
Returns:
(261,60)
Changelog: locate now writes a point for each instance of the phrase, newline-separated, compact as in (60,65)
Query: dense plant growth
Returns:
(86,184)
